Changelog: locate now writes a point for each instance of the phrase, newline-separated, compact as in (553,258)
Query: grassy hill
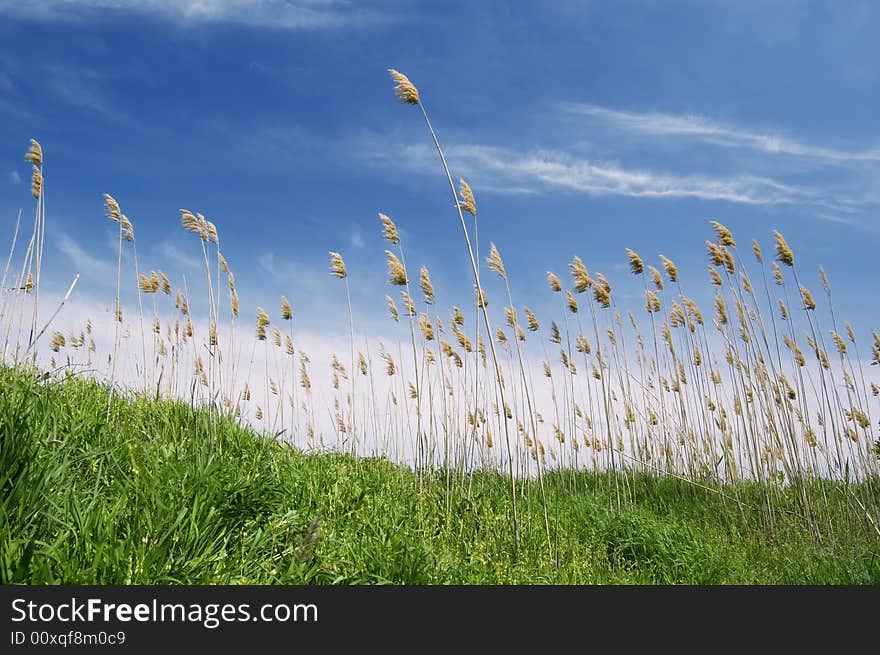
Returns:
(161,493)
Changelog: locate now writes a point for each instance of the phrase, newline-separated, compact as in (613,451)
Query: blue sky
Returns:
(583,128)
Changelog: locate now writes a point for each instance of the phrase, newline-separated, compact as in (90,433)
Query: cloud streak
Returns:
(706,130)
(81,88)
(277,14)
(90,267)
(502,169)
(172,254)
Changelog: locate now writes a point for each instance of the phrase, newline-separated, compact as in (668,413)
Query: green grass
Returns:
(165,494)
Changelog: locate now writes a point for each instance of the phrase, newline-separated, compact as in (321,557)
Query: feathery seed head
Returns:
(392,308)
(716,278)
(580,275)
(715,254)
(408,304)
(635,262)
(825,284)
(670,267)
(35,153)
(676,315)
(839,342)
(304,380)
(389,361)
(36,182)
(204,231)
(405,90)
(337,266)
(667,335)
(144,284)
(693,309)
(809,303)
(166,284)
(721,316)
(553,281)
(725,238)
(482,301)
(189,222)
(111,207)
(426,328)
(262,323)
(467,202)
(728,260)
(783,251)
(652,302)
(602,294)
(571,302)
(425,284)
(389,229)
(457,316)
(126,228)
(396,271)
(777,274)
(495,263)
(286,309)
(510,316)
(57,341)
(656,278)
(531,320)
(583,346)
(757,250)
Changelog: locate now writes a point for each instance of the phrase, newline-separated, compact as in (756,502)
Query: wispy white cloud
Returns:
(841,220)
(707,130)
(356,238)
(90,267)
(14,177)
(80,88)
(172,254)
(278,14)
(533,171)
(529,170)
(289,274)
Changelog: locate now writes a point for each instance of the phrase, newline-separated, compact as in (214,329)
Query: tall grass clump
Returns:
(408,94)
